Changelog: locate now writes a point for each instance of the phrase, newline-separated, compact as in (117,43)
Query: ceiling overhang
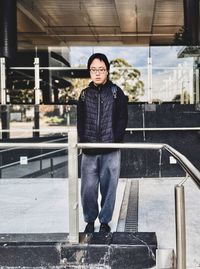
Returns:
(45,23)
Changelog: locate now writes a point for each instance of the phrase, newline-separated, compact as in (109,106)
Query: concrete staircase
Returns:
(110,251)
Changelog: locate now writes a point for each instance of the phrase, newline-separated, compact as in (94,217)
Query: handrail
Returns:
(46,68)
(66,129)
(32,158)
(34,145)
(187,166)
(163,129)
(50,141)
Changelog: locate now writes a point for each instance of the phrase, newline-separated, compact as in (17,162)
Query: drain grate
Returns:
(131,223)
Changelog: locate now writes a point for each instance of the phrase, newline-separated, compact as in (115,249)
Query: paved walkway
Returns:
(157,213)
(41,205)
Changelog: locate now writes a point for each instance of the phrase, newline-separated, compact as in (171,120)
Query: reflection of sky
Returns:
(165,56)
(136,56)
(164,59)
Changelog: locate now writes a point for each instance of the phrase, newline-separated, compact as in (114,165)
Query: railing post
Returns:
(73,187)
(40,160)
(37,80)
(37,97)
(52,168)
(180,227)
(5,112)
(1,164)
(3,80)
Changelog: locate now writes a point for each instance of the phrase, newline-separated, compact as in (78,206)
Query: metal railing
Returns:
(73,192)
(39,157)
(163,129)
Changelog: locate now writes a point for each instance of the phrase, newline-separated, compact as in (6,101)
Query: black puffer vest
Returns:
(99,108)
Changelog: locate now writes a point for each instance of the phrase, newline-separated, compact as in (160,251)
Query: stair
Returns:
(110,251)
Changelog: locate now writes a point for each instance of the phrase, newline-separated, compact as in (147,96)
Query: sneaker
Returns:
(104,228)
(89,228)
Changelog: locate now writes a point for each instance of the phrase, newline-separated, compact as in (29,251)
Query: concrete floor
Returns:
(41,206)
(157,213)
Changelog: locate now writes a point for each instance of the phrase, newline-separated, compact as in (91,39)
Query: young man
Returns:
(101,117)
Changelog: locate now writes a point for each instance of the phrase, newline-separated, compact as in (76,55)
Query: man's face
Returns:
(98,72)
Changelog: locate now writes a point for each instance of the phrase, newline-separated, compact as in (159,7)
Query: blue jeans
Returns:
(99,171)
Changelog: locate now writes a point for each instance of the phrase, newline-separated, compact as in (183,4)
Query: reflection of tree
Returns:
(127,77)
(180,38)
(183,37)
(21,96)
(73,92)
(183,98)
(79,85)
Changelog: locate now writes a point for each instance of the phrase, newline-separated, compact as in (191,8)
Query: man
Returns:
(101,117)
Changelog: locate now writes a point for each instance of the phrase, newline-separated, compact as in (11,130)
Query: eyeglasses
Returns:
(100,70)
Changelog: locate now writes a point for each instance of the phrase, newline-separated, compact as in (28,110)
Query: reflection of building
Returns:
(50,80)
(53,77)
(179,85)
(193,51)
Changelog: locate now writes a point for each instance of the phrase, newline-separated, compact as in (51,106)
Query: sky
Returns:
(164,57)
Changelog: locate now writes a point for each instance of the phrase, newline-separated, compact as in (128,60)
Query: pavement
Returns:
(157,213)
(40,205)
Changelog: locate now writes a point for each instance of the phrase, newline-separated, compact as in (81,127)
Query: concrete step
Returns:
(122,250)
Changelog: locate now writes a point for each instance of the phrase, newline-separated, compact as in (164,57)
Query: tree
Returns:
(127,77)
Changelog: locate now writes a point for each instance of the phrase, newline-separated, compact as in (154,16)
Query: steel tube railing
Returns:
(121,145)
(52,129)
(67,129)
(180,227)
(34,145)
(187,166)
(163,129)
(32,158)
(182,160)
(3,81)
(10,149)
(73,188)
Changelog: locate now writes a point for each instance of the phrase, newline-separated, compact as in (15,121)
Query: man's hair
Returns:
(101,57)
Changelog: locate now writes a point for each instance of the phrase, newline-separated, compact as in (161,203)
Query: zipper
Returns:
(98,114)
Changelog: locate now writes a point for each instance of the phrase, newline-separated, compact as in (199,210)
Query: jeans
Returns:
(99,171)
